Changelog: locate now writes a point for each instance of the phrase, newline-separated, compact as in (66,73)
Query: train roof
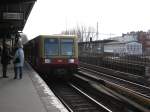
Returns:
(61,36)
(53,36)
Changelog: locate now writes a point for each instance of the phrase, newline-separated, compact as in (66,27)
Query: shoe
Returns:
(5,76)
(15,77)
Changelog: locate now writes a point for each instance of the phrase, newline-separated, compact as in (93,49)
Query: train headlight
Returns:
(47,61)
(71,60)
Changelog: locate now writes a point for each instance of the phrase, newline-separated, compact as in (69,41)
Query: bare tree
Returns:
(84,33)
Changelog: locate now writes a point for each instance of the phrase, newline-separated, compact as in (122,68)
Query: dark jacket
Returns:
(6,57)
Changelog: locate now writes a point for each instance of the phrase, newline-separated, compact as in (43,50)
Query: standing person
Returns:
(18,60)
(5,60)
(0,51)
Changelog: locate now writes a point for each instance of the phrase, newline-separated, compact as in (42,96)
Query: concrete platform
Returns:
(29,94)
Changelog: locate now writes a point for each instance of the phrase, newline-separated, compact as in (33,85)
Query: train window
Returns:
(67,47)
(51,46)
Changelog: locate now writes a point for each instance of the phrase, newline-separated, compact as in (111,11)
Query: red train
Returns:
(53,53)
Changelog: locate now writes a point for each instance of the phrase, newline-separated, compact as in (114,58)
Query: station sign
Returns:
(13,16)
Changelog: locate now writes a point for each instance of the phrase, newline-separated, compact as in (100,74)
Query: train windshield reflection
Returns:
(51,46)
(67,47)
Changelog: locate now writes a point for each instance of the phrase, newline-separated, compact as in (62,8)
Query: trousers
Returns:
(18,71)
(4,69)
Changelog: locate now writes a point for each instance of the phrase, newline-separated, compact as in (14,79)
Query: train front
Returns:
(60,54)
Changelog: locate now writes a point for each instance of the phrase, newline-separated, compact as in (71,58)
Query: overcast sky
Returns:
(113,16)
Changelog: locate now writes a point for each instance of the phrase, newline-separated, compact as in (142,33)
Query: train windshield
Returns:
(67,47)
(51,46)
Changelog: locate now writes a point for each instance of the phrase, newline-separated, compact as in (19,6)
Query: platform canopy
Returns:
(13,15)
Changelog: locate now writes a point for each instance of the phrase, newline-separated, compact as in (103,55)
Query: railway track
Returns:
(123,65)
(137,88)
(136,92)
(79,96)
(126,76)
(75,99)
